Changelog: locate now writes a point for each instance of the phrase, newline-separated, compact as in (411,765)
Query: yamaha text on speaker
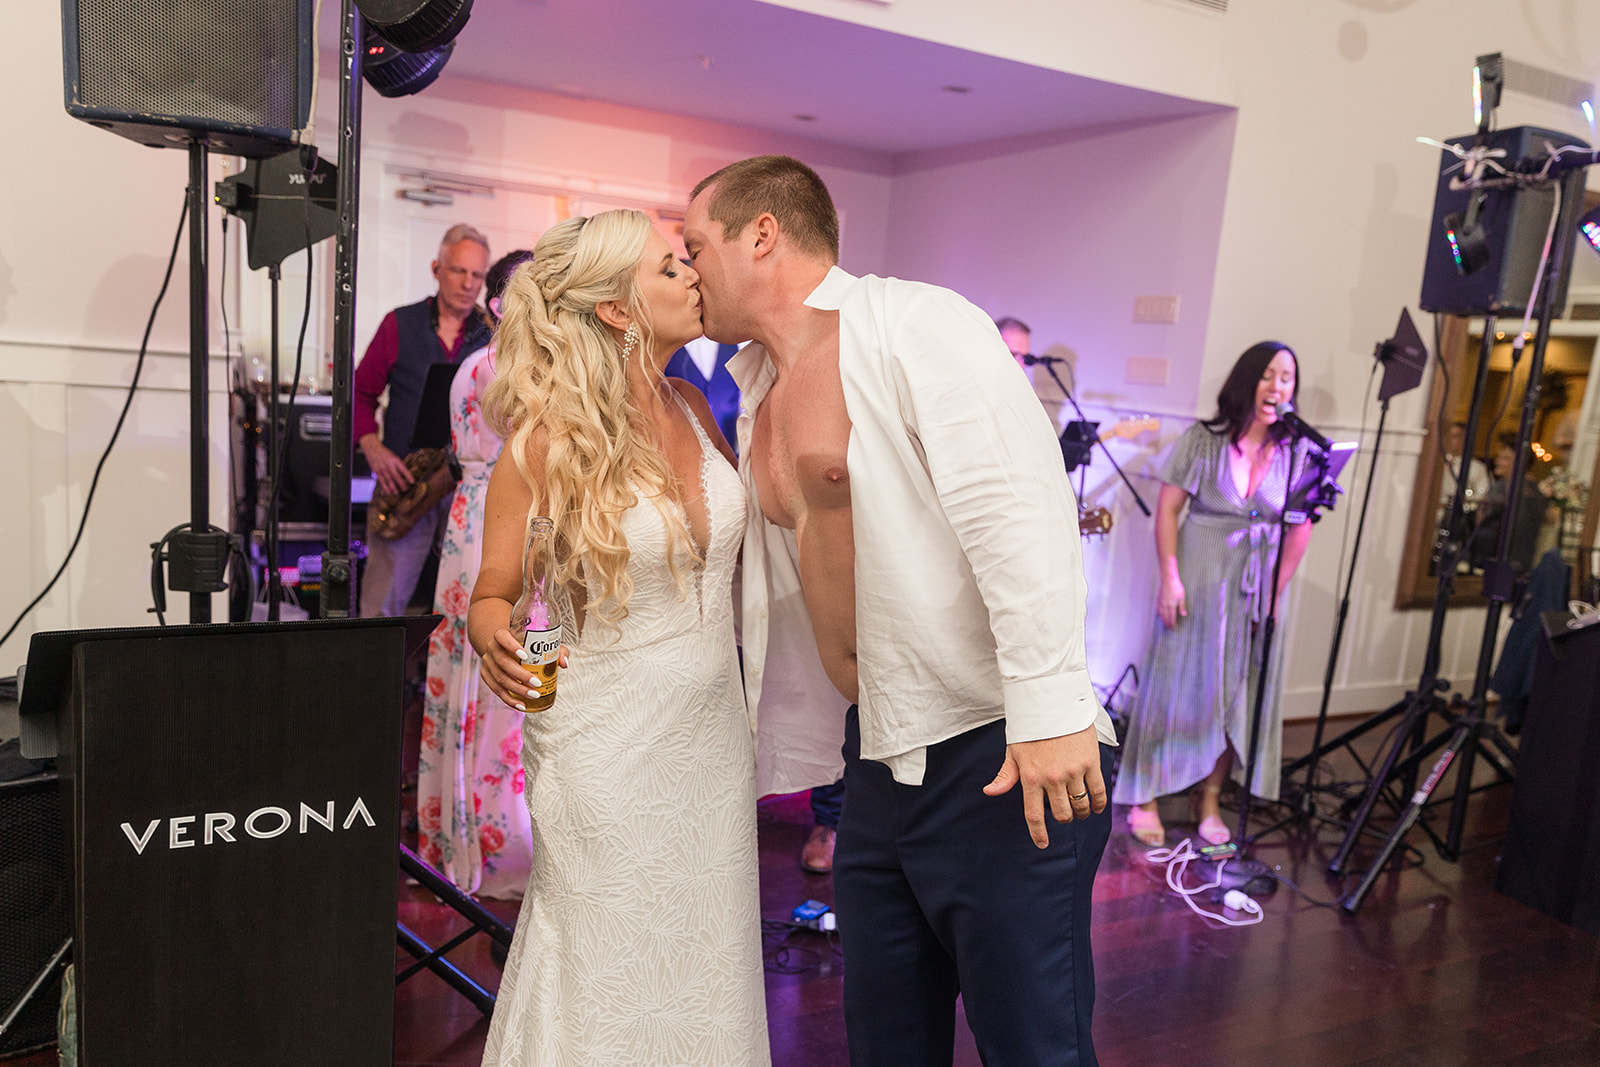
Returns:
(233,73)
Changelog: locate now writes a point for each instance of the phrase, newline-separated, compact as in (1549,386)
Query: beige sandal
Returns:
(1213,831)
(1146,827)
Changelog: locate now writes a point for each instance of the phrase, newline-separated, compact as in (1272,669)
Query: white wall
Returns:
(1064,233)
(88,224)
(598,155)
(1326,209)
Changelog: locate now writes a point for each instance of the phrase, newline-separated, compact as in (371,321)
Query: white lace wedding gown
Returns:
(639,940)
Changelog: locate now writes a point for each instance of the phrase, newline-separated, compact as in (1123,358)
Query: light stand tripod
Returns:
(1403,357)
(1425,699)
(197,560)
(1467,733)
(285,208)
(339,597)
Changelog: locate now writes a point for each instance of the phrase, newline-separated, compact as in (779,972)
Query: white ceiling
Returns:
(754,64)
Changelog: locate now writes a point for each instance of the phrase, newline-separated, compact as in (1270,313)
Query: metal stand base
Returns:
(40,980)
(1252,876)
(431,958)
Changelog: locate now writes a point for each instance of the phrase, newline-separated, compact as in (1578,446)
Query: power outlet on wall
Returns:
(1156,310)
(1147,370)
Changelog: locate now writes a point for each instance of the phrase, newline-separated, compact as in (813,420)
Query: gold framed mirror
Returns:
(1557,511)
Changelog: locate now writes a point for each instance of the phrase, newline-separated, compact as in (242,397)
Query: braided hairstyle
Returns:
(560,379)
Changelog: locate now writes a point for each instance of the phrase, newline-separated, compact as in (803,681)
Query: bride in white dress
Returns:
(639,939)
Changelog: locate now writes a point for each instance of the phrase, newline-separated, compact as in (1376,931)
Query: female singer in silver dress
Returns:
(1190,723)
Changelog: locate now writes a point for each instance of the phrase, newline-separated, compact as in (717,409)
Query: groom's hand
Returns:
(1064,769)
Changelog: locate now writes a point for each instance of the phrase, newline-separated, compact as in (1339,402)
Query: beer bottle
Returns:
(535,619)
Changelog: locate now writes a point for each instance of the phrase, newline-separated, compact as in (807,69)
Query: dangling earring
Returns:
(630,340)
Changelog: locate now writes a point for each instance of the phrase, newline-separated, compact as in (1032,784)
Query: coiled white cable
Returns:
(1177,860)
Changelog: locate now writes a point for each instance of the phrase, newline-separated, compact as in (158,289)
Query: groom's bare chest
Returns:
(799,441)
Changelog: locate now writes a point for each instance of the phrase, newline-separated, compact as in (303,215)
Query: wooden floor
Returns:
(1436,967)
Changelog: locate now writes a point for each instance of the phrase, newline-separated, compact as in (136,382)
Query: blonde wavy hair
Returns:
(559,372)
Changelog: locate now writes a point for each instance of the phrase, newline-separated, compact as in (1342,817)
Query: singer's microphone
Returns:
(1030,359)
(1301,428)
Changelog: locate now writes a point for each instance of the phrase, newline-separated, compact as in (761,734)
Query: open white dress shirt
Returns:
(969,577)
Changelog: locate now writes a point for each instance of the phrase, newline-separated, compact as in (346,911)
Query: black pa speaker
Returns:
(235,74)
(1514,221)
(35,906)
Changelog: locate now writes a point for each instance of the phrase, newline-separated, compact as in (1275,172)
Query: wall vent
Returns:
(1214,5)
(1545,84)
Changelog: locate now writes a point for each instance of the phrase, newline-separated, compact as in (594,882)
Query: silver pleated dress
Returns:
(1197,684)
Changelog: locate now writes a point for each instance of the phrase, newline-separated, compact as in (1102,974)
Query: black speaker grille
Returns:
(231,61)
(35,905)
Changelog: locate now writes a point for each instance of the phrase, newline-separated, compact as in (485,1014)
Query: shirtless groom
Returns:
(905,480)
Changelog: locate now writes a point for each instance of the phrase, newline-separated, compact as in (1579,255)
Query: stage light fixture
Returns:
(394,72)
(1469,245)
(416,26)
(1488,78)
(1589,226)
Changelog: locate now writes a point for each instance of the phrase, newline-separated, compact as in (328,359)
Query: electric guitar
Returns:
(1093,522)
(1096,521)
(1132,426)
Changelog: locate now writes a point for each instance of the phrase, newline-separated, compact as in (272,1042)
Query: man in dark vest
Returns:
(409,340)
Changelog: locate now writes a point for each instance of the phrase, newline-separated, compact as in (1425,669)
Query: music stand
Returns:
(1317,486)
(1049,365)
(1077,442)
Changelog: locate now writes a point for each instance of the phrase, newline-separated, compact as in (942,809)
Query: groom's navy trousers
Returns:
(940,890)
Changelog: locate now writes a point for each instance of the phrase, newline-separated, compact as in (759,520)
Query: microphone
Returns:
(1301,428)
(1031,360)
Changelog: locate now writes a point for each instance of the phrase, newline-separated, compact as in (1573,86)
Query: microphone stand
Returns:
(1048,363)
(1239,871)
(1268,627)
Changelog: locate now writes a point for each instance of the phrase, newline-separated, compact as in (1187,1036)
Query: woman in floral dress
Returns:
(472,819)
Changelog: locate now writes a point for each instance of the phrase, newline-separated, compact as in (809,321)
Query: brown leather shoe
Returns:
(817,856)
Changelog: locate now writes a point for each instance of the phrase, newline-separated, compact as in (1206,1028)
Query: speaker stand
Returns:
(40,980)
(433,958)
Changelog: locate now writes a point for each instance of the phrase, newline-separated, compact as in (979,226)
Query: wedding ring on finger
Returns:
(1078,796)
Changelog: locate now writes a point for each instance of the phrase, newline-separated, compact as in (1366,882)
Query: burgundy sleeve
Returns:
(372,376)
